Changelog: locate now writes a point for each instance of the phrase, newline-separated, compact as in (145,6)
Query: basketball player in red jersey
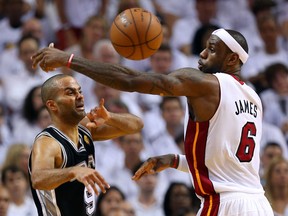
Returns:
(223,127)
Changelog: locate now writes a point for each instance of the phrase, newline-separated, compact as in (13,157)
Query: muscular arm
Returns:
(117,125)
(47,174)
(107,125)
(46,160)
(183,82)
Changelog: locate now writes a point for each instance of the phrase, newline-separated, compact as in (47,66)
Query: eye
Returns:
(212,49)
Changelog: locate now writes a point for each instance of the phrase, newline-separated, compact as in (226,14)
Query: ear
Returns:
(233,59)
(51,105)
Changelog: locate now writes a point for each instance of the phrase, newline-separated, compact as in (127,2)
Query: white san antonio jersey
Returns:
(223,153)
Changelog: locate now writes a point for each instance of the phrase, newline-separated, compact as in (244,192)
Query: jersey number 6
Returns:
(246,147)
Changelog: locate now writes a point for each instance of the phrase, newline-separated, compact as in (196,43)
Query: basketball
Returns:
(136,33)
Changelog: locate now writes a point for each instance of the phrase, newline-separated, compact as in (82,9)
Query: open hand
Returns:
(153,165)
(98,116)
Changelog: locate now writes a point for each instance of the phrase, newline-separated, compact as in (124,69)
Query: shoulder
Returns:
(46,143)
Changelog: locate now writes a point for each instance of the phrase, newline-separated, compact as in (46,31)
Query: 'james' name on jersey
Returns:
(245,106)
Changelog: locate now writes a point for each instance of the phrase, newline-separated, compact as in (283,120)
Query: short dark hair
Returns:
(47,88)
(169,98)
(272,70)
(239,38)
(28,37)
(13,169)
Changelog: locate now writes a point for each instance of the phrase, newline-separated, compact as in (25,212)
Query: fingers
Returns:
(147,168)
(90,181)
(37,59)
(100,181)
(102,102)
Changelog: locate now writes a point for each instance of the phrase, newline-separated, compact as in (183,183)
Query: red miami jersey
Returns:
(223,153)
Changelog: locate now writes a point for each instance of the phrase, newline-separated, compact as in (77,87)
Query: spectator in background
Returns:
(26,132)
(272,133)
(272,52)
(180,199)
(72,15)
(22,77)
(276,187)
(112,199)
(4,200)
(275,99)
(17,184)
(184,29)
(270,151)
(147,201)
(162,137)
(9,57)
(5,134)
(33,26)
(257,9)
(17,155)
(133,148)
(10,25)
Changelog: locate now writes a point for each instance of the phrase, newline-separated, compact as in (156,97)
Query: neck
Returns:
(146,198)
(131,162)
(69,130)
(173,130)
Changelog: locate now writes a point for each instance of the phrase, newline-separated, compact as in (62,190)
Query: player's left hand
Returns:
(98,116)
(153,165)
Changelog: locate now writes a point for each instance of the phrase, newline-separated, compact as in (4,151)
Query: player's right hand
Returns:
(90,178)
(50,58)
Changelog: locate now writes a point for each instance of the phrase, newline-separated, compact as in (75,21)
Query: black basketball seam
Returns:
(133,45)
(147,41)
(135,26)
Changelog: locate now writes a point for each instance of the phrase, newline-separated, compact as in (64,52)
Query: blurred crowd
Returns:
(82,27)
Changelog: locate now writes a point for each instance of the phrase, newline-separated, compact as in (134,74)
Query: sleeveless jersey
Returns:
(223,153)
(70,198)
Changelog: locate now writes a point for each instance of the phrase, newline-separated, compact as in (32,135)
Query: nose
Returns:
(203,54)
(80,95)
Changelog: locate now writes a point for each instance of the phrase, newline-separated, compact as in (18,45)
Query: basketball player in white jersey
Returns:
(224,122)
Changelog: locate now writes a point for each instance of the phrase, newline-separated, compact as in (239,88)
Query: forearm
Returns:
(49,179)
(126,122)
(124,79)
(112,75)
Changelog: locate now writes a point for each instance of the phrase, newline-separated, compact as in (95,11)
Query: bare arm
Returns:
(183,82)
(47,174)
(105,125)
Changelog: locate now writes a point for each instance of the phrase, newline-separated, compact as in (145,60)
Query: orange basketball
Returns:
(136,33)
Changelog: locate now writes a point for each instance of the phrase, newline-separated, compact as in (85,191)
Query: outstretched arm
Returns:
(116,76)
(105,125)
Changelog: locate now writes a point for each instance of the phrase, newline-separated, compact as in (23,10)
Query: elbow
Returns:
(37,183)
